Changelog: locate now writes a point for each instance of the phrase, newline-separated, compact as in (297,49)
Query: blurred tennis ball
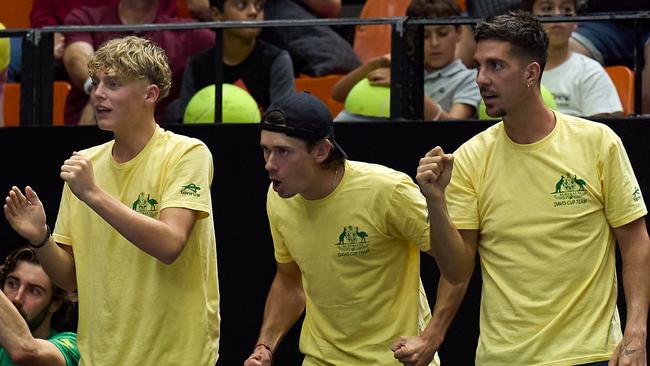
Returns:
(366,99)
(238,106)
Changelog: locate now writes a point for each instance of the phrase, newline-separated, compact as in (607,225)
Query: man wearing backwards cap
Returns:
(346,237)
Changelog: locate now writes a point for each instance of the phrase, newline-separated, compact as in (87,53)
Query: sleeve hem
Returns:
(629,218)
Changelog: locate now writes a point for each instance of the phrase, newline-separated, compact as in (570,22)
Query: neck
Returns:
(557,55)
(137,11)
(326,183)
(128,144)
(531,122)
(43,330)
(236,49)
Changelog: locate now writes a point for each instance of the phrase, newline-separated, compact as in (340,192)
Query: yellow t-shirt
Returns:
(133,309)
(358,253)
(545,213)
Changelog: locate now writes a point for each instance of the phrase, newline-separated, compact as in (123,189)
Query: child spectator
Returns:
(580,85)
(449,87)
(264,70)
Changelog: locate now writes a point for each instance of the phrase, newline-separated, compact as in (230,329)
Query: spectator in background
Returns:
(53,12)
(580,85)
(261,68)
(315,51)
(179,45)
(480,8)
(5,56)
(614,42)
(28,302)
(449,87)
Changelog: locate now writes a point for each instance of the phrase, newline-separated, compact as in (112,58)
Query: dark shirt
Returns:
(266,73)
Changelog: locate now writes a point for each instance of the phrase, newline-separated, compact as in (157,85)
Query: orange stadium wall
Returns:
(33,155)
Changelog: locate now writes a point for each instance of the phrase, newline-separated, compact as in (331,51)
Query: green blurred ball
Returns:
(365,99)
(238,106)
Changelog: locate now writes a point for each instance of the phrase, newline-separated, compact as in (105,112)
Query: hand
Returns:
(77,171)
(434,173)
(381,61)
(59,45)
(25,214)
(631,351)
(380,76)
(87,116)
(415,351)
(260,357)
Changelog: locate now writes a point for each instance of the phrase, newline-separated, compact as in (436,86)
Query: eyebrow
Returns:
(31,285)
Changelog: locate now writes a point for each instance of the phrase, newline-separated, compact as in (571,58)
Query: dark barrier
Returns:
(245,252)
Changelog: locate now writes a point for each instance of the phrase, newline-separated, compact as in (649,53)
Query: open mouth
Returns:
(101,110)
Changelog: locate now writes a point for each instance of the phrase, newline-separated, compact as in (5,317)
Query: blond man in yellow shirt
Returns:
(134,233)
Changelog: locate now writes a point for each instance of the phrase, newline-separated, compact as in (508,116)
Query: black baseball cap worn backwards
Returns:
(301,115)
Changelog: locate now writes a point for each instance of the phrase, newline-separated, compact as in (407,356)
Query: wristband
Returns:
(88,85)
(44,241)
(439,113)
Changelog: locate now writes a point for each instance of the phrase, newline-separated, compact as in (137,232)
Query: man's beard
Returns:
(38,319)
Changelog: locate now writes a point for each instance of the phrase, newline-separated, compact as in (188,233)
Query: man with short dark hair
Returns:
(347,238)
(541,197)
(28,301)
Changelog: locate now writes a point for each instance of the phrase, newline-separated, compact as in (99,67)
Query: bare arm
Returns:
(635,250)
(163,238)
(26,216)
(18,342)
(420,350)
(342,88)
(454,250)
(433,111)
(75,60)
(200,9)
(324,8)
(284,305)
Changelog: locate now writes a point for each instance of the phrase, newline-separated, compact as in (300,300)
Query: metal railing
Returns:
(407,70)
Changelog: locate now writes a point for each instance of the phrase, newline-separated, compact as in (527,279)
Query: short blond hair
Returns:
(133,58)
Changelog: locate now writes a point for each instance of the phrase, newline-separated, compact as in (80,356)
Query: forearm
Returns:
(58,264)
(152,236)
(453,255)
(636,271)
(448,300)
(15,336)
(199,9)
(324,8)
(75,60)
(342,88)
(433,111)
(284,305)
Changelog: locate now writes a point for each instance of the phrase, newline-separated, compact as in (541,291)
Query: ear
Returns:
(55,306)
(533,73)
(322,151)
(152,93)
